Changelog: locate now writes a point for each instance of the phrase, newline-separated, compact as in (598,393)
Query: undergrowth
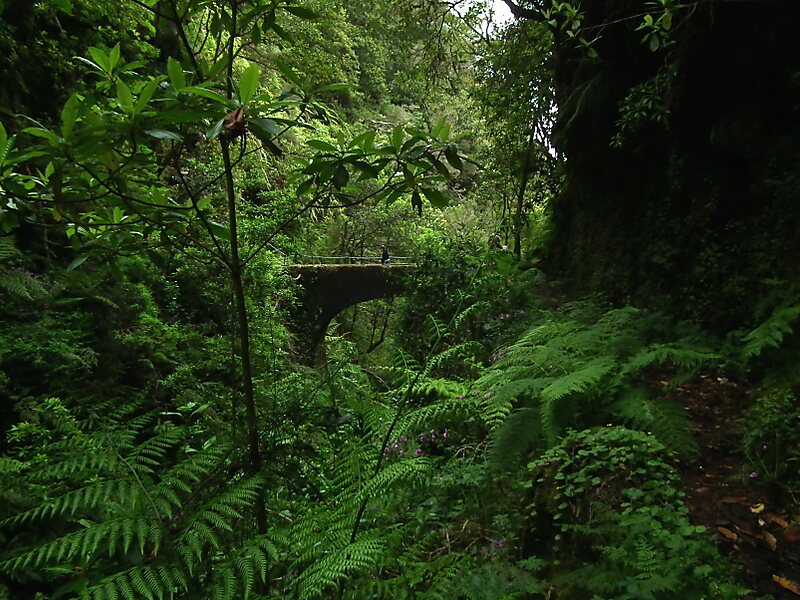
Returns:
(586,365)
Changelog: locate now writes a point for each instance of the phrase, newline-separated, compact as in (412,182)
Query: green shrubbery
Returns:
(608,516)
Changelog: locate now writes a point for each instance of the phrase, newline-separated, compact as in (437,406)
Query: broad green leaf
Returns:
(64,6)
(5,144)
(94,65)
(163,134)
(77,262)
(218,66)
(220,231)
(435,197)
(322,146)
(113,57)
(397,137)
(417,133)
(206,93)
(255,35)
(266,130)
(368,171)
(215,130)
(341,176)
(393,196)
(439,166)
(335,87)
(438,129)
(409,177)
(451,154)
(365,141)
(68,115)
(282,33)
(124,96)
(249,83)
(302,12)
(288,73)
(176,75)
(305,187)
(267,125)
(40,132)
(444,134)
(100,58)
(145,95)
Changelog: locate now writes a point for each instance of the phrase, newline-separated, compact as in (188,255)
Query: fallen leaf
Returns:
(702,490)
(770,518)
(733,500)
(728,533)
(757,508)
(770,539)
(787,584)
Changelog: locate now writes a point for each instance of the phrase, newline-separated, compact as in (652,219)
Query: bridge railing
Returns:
(312,259)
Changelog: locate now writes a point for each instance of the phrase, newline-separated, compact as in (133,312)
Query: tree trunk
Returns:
(523,184)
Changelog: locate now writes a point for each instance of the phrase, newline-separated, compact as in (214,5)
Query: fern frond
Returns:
(771,332)
(580,380)
(80,544)
(338,564)
(406,471)
(662,417)
(514,438)
(83,500)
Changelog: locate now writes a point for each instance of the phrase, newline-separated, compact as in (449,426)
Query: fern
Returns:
(579,367)
(771,332)
(129,505)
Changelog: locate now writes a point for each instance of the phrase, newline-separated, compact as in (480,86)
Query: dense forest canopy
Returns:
(400,299)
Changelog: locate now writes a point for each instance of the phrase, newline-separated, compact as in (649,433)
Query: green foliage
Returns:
(586,365)
(607,507)
(135,507)
(771,440)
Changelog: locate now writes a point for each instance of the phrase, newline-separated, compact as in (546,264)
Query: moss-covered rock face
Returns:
(692,214)
(607,514)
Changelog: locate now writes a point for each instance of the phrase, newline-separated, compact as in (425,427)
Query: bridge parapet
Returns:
(312,259)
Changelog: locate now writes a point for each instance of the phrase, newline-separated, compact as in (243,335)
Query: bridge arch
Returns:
(327,289)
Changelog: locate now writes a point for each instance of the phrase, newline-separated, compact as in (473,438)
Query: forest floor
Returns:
(753,522)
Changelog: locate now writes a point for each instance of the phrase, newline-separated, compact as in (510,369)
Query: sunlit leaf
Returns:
(397,137)
(100,59)
(124,96)
(249,83)
(68,115)
(145,95)
(176,75)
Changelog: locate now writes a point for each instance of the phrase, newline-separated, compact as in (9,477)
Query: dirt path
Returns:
(753,524)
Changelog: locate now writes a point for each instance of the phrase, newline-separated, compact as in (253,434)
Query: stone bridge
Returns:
(327,289)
